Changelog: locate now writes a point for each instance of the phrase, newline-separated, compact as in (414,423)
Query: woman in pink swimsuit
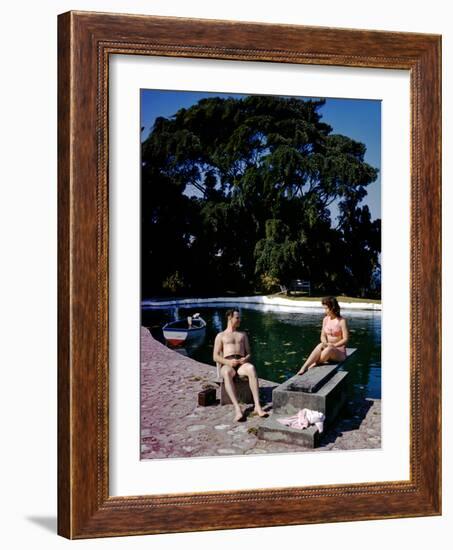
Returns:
(334,336)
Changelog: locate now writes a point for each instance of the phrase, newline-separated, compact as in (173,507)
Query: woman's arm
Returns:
(323,333)
(345,332)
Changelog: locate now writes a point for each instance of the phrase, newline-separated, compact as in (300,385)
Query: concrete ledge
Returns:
(312,380)
(243,391)
(315,377)
(287,402)
(327,400)
(271,430)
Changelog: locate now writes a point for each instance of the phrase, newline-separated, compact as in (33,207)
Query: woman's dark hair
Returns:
(332,304)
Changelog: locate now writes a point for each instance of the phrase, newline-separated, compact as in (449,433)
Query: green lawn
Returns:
(344,299)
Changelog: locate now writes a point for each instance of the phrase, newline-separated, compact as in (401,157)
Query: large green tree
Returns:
(237,191)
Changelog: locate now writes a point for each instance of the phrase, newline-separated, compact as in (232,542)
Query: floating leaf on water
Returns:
(291,352)
(267,363)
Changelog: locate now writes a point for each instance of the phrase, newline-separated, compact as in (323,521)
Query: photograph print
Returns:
(260,274)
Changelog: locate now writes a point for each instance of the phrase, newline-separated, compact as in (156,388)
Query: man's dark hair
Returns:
(230,312)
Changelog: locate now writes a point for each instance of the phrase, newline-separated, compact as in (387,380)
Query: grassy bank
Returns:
(344,299)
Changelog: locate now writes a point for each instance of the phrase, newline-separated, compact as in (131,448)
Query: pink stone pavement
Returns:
(173,425)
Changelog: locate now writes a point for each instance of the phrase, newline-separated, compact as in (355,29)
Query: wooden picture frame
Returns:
(85,41)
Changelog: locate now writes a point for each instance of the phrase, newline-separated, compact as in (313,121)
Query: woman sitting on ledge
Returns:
(334,336)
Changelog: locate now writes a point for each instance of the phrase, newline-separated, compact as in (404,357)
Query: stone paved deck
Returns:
(173,425)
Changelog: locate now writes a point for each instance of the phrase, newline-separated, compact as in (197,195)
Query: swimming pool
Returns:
(282,338)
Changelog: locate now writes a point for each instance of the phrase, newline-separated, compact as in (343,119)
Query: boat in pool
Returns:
(185,331)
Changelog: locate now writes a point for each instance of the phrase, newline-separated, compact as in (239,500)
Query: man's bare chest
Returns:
(233,339)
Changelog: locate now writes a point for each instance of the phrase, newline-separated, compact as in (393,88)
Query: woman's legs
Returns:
(313,358)
(332,353)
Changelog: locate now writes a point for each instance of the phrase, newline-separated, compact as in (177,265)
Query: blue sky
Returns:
(359,119)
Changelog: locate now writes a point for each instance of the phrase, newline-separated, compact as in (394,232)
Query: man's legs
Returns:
(228,374)
(247,369)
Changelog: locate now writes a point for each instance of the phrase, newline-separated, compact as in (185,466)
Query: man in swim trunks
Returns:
(232,351)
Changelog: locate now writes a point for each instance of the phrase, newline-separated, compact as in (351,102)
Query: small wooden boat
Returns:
(183,332)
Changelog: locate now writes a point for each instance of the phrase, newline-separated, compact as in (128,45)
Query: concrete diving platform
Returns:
(322,388)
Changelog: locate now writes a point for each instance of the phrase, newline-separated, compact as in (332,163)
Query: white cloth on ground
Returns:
(303,419)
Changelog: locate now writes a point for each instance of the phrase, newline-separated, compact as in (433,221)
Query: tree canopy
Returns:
(236,196)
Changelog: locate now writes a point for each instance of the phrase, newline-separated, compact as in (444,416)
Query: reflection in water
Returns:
(189,348)
(281,340)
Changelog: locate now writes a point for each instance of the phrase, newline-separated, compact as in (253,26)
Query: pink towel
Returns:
(303,419)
